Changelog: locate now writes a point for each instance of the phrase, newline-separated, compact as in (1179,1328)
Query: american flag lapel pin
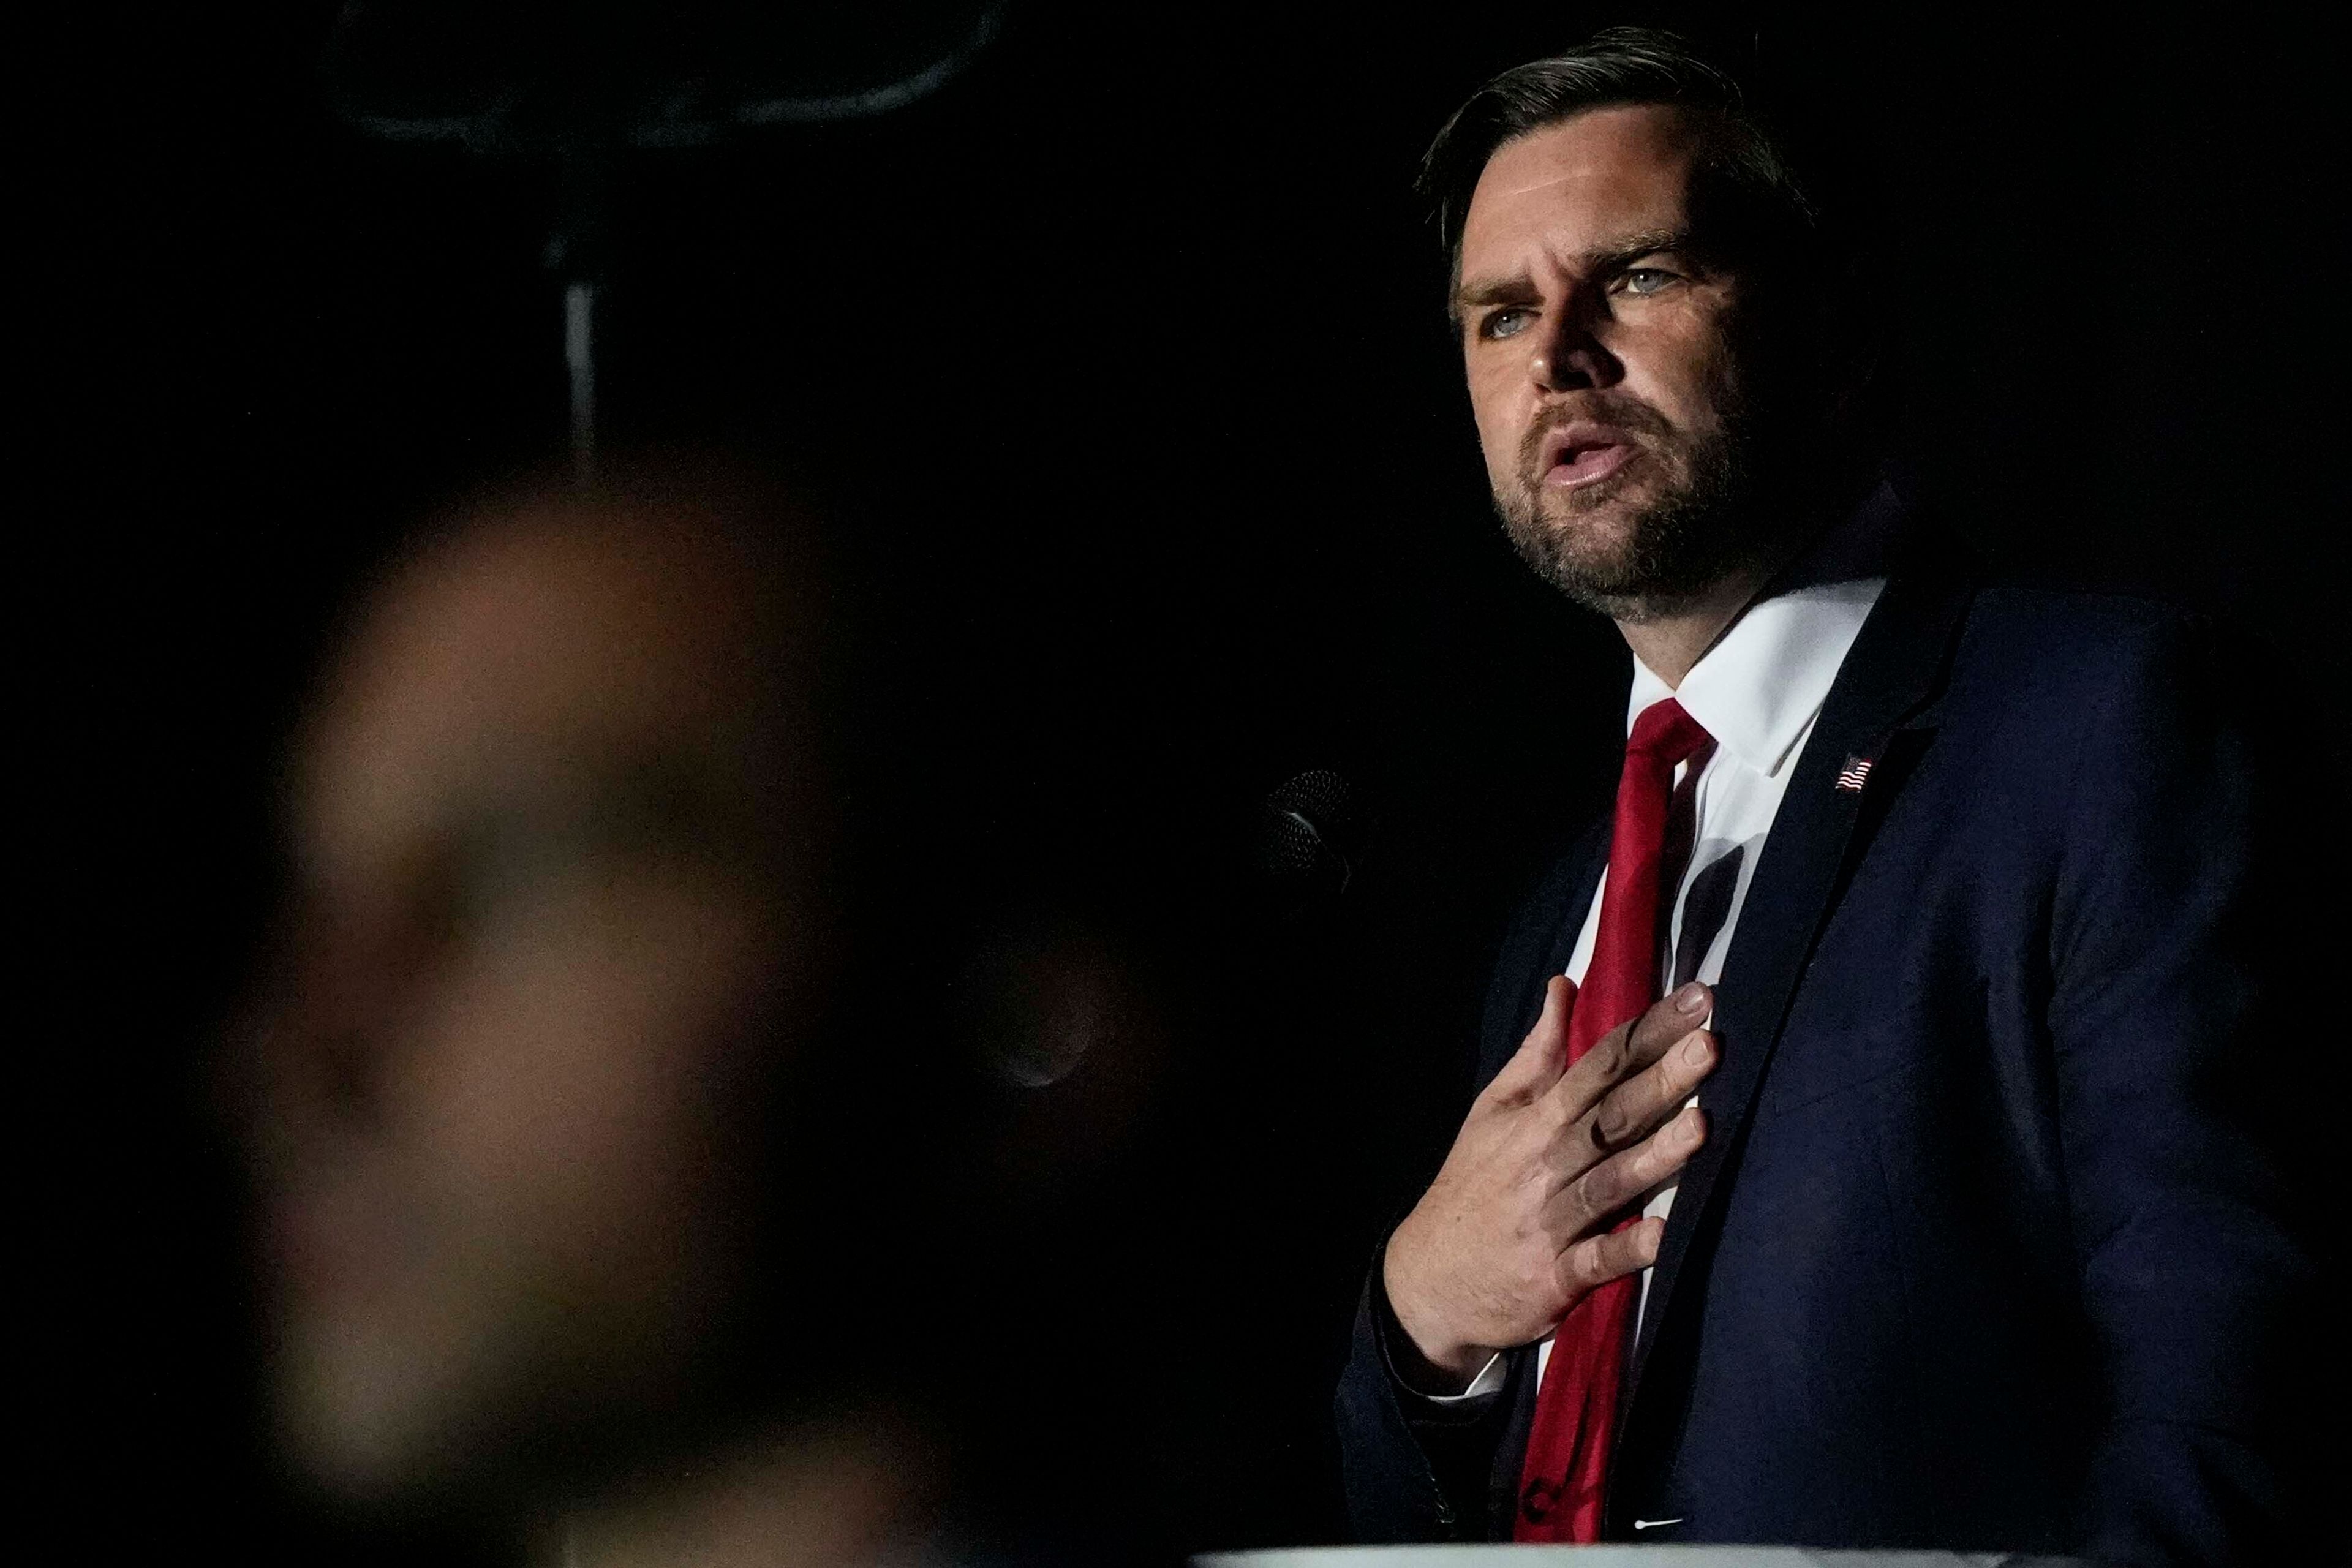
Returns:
(1855,772)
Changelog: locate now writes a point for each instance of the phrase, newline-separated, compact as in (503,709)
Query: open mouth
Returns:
(1584,454)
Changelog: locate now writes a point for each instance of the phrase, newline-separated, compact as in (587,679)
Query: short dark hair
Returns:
(1621,65)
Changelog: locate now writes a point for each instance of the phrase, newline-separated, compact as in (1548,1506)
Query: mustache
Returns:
(1629,415)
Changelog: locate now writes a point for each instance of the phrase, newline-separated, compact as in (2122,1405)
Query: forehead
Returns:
(1579,184)
(521,660)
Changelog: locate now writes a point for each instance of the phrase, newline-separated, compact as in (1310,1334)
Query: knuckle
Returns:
(1614,1051)
(1594,1192)
(1677,1075)
(1579,1074)
(1590,1074)
(1658,1160)
(1575,1267)
(1618,1245)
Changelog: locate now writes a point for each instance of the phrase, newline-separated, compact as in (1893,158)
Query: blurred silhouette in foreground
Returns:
(587,1223)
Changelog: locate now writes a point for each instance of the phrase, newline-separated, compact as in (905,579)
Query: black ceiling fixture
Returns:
(574,87)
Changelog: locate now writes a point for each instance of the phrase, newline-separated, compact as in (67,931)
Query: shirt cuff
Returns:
(1486,1385)
(1387,1330)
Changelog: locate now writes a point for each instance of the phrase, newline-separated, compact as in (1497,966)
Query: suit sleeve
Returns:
(2167,945)
(1415,1469)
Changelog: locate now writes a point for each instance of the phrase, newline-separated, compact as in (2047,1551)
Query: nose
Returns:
(1568,356)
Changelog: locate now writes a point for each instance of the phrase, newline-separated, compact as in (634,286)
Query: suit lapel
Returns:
(1891,671)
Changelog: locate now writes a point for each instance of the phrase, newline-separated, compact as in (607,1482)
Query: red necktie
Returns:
(1567,1468)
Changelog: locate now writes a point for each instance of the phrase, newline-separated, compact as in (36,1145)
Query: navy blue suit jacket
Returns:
(1984,1249)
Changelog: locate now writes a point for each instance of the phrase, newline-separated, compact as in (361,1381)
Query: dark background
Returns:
(1118,366)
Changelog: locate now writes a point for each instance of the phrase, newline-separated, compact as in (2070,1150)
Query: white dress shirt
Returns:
(1758,691)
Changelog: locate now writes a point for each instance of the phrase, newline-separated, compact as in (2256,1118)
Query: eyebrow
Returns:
(1519,288)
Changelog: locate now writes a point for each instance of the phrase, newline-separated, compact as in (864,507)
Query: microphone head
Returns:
(1310,838)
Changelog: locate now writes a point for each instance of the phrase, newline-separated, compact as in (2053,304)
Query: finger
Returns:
(1597,1259)
(1642,1103)
(1620,1180)
(1537,1065)
(1629,1048)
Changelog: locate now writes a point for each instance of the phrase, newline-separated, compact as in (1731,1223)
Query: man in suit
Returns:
(1953,1226)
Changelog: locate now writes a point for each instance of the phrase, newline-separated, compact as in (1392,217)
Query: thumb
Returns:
(1542,1057)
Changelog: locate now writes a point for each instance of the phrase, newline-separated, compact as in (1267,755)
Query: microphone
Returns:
(1310,840)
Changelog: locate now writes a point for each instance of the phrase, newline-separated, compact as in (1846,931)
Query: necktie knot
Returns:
(1665,733)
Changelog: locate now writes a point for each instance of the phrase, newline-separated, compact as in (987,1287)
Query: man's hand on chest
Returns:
(1516,1227)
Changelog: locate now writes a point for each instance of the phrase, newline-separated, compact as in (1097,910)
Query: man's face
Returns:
(527,967)
(1600,338)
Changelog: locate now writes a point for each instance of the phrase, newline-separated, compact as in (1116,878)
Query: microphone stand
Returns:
(575,255)
(586,107)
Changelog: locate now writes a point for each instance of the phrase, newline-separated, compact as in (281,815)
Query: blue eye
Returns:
(1642,280)
(1503,324)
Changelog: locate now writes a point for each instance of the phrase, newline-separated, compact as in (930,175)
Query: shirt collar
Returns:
(1760,687)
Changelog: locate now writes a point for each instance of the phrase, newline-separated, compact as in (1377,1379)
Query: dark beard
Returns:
(1690,537)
